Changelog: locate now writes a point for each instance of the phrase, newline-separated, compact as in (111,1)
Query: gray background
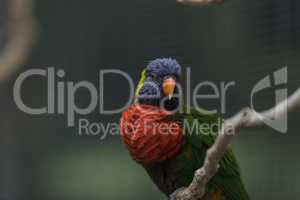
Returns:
(241,41)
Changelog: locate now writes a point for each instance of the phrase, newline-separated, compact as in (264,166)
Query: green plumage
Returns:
(179,171)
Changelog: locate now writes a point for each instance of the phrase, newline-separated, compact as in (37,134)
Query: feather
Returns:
(140,84)
(228,178)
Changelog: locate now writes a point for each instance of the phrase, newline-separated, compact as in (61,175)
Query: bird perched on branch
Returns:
(166,138)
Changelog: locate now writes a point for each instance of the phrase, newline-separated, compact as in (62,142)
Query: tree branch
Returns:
(21,33)
(247,118)
(200,2)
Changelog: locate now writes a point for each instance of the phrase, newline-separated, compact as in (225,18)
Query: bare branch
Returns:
(200,2)
(21,32)
(247,118)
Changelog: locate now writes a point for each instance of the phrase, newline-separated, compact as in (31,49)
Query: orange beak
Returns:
(169,86)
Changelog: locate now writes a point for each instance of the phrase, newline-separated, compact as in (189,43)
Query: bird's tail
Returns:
(235,189)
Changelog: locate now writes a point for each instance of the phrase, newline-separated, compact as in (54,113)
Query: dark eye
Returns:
(158,79)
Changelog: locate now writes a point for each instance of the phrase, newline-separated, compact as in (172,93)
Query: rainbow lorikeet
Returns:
(162,139)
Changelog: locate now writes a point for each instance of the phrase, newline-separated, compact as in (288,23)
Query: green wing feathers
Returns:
(200,132)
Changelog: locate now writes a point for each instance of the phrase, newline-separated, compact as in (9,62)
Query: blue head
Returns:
(159,85)
(164,67)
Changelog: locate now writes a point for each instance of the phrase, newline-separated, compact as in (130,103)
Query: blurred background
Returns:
(240,40)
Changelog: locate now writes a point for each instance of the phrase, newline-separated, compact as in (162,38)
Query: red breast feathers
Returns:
(148,135)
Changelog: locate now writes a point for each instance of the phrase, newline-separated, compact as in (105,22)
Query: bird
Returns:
(157,130)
